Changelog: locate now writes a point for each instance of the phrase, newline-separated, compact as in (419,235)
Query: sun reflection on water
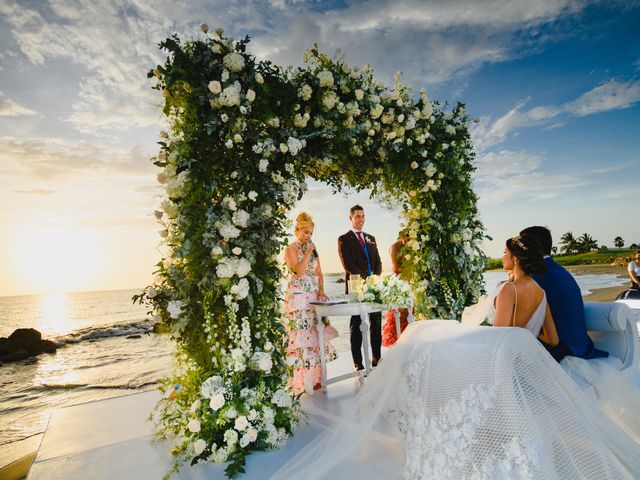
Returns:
(54,313)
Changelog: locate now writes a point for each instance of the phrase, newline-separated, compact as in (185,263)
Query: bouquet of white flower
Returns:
(386,289)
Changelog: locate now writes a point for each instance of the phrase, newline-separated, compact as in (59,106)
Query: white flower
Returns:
(329,100)
(451,130)
(228,143)
(300,121)
(216,402)
(236,251)
(199,446)
(195,406)
(230,96)
(274,122)
(224,117)
(233,61)
(376,111)
(252,196)
(231,413)
(259,78)
(241,290)
(326,78)
(228,231)
(215,87)
(220,456)
(216,48)
(243,267)
(240,218)
(262,360)
(262,166)
(231,437)
(294,145)
(414,165)
(284,148)
(211,385)
(237,138)
(305,92)
(225,75)
(359,94)
(401,118)
(251,95)
(252,433)
(216,251)
(193,425)
(241,423)
(244,441)
(174,307)
(152,292)
(281,398)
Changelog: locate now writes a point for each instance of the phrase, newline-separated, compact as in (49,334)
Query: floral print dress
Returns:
(304,343)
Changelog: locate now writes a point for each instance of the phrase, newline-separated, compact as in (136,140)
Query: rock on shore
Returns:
(24,343)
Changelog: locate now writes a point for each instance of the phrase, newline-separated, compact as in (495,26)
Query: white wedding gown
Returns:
(459,401)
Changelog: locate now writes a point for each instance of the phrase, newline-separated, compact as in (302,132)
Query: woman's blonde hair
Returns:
(304,220)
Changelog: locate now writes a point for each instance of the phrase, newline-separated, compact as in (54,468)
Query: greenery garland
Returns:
(244,137)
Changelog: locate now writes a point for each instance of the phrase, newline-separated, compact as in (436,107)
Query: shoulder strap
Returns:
(515,306)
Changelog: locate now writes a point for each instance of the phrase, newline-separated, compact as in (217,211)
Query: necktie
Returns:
(360,239)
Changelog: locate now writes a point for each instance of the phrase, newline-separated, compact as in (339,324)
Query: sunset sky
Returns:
(554,83)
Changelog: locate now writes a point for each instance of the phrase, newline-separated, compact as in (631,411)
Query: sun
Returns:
(56,258)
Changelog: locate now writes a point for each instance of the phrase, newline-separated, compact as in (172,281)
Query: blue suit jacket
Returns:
(567,308)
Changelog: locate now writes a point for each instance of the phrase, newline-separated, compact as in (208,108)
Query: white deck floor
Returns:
(111,439)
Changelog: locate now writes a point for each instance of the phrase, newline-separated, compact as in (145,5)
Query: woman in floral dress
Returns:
(306,284)
(389,330)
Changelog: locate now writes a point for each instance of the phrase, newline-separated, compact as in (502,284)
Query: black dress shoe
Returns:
(358,366)
(375,361)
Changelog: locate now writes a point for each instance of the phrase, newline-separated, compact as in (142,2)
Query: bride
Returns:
(459,401)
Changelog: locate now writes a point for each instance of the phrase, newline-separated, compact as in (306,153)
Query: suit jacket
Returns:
(567,308)
(353,256)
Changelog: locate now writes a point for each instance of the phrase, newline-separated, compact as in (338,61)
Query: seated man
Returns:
(565,302)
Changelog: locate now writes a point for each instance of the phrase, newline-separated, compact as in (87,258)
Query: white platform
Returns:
(111,439)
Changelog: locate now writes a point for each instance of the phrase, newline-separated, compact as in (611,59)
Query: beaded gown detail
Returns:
(304,343)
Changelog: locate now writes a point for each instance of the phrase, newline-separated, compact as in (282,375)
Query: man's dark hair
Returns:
(354,209)
(542,235)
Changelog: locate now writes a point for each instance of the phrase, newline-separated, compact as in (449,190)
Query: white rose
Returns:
(414,165)
(241,423)
(284,148)
(237,138)
(359,94)
(329,100)
(199,446)
(215,87)
(251,95)
(216,402)
(237,251)
(193,425)
(259,78)
(252,433)
(326,78)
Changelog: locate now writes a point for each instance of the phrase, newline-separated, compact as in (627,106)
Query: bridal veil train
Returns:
(453,401)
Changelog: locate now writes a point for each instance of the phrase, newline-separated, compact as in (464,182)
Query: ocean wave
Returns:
(137,327)
(86,386)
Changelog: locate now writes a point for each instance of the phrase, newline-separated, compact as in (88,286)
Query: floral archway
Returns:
(244,136)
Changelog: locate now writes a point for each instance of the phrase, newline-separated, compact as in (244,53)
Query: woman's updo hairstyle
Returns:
(304,220)
(527,249)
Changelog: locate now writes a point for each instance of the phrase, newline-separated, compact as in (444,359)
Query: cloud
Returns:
(516,174)
(116,43)
(11,108)
(612,95)
(57,159)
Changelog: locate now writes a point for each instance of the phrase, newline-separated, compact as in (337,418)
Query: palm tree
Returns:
(618,242)
(568,242)
(586,243)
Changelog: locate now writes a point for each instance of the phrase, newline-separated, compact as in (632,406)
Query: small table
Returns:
(347,310)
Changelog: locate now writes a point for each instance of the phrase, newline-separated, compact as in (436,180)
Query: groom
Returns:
(359,255)
(565,303)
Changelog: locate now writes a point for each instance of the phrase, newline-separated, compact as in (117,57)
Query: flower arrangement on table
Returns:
(386,289)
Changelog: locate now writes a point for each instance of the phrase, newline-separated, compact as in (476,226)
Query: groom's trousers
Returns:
(375,334)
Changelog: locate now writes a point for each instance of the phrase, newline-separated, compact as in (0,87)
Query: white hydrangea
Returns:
(262,361)
(326,78)
(376,111)
(244,441)
(294,145)
(305,92)
(241,289)
(220,455)
(231,437)
(300,121)
(262,165)
(329,100)
(228,231)
(243,267)
(252,196)
(240,218)
(450,129)
(226,267)
(216,251)
(174,307)
(230,96)
(281,398)
(233,61)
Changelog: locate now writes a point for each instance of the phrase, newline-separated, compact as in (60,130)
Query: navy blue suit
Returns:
(567,309)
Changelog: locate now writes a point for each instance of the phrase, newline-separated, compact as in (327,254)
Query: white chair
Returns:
(612,327)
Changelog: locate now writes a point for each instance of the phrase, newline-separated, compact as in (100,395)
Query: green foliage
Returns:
(244,137)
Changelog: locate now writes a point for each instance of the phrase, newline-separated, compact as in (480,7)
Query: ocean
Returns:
(108,349)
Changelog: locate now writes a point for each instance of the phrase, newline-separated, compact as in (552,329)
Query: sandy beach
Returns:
(601,294)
